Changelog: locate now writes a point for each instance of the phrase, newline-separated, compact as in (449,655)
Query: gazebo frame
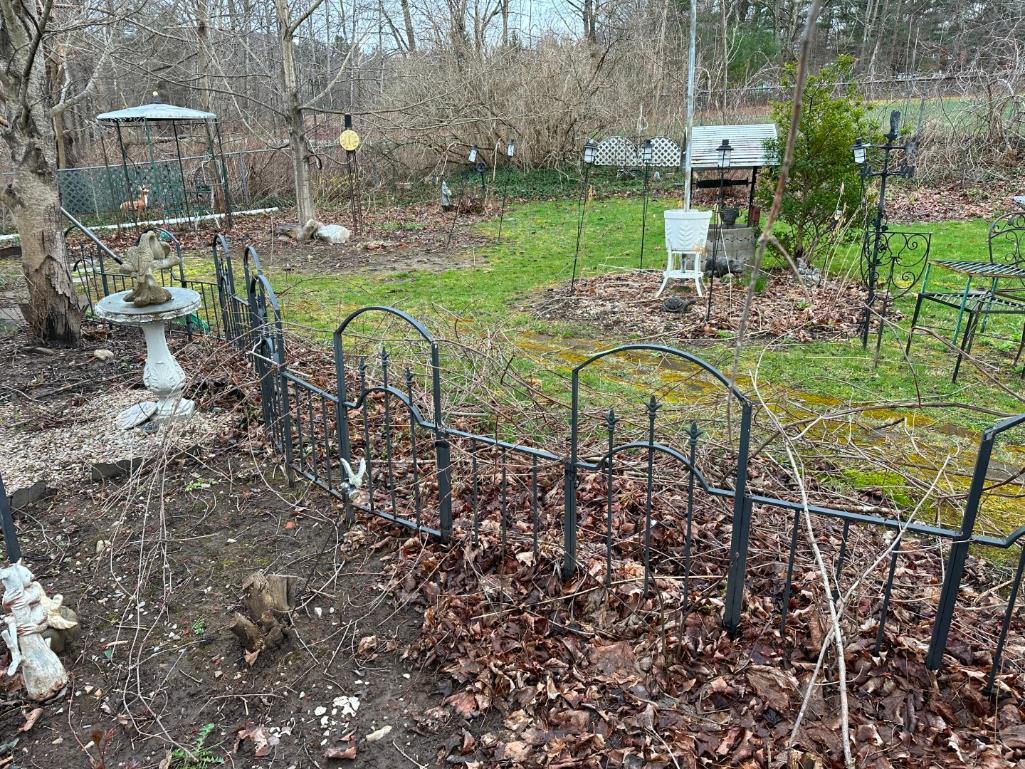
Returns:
(145,114)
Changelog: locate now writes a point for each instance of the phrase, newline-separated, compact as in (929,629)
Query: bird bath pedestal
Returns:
(162,374)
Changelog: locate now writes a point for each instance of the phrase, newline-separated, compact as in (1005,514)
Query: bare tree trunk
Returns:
(203,53)
(407,20)
(294,115)
(589,25)
(52,312)
(57,81)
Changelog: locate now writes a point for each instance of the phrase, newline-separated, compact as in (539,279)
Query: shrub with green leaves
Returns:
(823,179)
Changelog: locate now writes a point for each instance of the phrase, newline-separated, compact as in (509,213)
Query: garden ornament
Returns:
(150,254)
(354,481)
(28,613)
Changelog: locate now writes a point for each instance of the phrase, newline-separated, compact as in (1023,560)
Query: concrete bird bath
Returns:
(162,374)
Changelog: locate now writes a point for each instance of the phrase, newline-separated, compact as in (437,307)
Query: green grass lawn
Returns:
(938,421)
(537,251)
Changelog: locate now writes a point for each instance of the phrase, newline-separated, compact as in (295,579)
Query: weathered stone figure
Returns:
(151,254)
(28,613)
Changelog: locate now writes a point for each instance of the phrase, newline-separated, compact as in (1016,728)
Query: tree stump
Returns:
(268,602)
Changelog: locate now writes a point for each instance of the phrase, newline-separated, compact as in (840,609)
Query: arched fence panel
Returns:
(649,445)
(389,411)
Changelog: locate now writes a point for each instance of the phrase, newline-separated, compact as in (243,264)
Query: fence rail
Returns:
(446,481)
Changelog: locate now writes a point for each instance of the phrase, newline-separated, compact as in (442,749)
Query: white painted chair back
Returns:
(686,235)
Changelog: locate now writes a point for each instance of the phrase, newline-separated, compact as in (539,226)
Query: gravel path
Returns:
(80,435)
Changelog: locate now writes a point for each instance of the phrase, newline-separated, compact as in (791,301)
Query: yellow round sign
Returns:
(349,140)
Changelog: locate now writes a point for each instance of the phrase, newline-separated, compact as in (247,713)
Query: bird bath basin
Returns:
(162,374)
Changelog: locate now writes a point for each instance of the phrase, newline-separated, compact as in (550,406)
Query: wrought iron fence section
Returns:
(432,477)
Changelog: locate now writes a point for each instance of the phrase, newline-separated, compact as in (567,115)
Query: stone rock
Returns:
(678,304)
(722,266)
(29,494)
(335,234)
(810,276)
(64,638)
(103,354)
(102,471)
(133,416)
(380,734)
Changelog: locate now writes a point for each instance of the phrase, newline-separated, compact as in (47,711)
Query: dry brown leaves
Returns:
(625,302)
(952,200)
(584,676)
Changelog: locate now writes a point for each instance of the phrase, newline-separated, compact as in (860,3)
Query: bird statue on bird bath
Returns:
(141,260)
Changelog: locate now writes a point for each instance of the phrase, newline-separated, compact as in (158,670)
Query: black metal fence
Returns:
(434,474)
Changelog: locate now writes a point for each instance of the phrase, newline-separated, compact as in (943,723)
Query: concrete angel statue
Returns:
(28,613)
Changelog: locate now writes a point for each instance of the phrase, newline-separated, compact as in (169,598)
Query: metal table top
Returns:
(982,269)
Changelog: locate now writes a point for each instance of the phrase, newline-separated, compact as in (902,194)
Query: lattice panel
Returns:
(665,153)
(620,152)
(617,151)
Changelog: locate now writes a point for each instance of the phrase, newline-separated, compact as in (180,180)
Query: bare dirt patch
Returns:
(626,301)
(153,564)
(416,236)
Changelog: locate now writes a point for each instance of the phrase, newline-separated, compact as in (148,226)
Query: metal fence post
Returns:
(103,272)
(286,411)
(341,407)
(998,654)
(958,555)
(442,450)
(225,289)
(257,322)
(569,522)
(739,540)
(7,525)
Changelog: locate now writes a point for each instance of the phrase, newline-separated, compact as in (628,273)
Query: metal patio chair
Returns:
(1002,291)
(686,235)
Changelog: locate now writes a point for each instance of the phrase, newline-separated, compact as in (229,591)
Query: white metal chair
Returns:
(686,234)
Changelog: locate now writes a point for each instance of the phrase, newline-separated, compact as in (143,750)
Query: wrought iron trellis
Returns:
(310,427)
(894,269)
(875,221)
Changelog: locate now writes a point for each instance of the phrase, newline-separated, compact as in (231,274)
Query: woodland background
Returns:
(427,78)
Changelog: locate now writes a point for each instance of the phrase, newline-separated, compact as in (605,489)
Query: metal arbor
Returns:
(160,174)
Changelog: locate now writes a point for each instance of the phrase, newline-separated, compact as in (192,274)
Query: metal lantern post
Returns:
(590,155)
(481,168)
(646,155)
(875,226)
(510,151)
(723,158)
